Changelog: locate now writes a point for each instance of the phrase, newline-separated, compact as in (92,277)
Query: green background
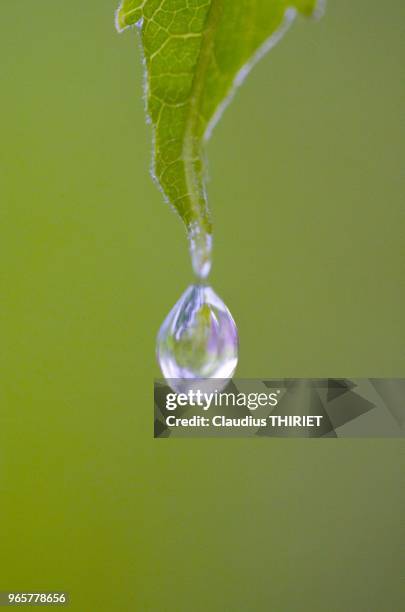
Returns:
(306,184)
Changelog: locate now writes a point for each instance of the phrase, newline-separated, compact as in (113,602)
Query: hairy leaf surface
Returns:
(196,53)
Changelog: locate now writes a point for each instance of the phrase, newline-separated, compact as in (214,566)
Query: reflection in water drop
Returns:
(198,338)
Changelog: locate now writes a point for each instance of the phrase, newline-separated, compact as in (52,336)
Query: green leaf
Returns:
(197,52)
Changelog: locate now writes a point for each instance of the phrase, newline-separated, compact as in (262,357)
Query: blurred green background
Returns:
(306,183)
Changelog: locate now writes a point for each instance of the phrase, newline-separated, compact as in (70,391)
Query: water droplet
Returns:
(198,338)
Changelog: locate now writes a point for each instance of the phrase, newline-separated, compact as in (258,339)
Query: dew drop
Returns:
(198,339)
